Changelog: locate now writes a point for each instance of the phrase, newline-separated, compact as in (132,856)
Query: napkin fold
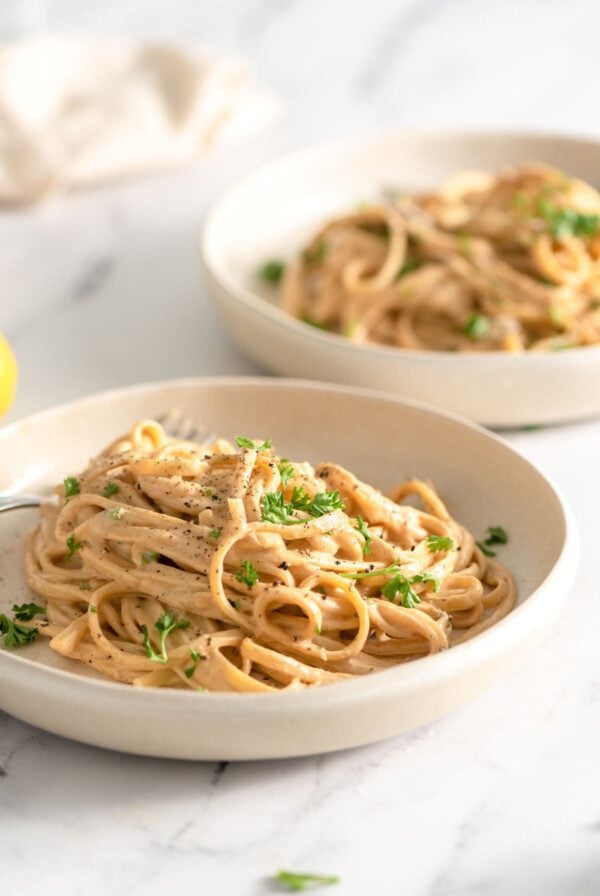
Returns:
(76,111)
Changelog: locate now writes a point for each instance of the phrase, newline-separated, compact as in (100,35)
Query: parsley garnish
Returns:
(214,533)
(565,222)
(150,556)
(271,271)
(410,265)
(315,254)
(495,535)
(196,657)
(275,509)
(439,543)
(476,327)
(93,608)
(26,612)
(399,584)
(286,471)
(297,881)
(243,442)
(362,528)
(16,635)
(111,489)
(71,485)
(165,624)
(247,574)
(324,502)
(73,546)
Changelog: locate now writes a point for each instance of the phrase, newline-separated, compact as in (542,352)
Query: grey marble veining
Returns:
(101,289)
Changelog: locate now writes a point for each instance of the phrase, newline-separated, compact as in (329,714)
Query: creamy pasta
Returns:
(490,262)
(168,563)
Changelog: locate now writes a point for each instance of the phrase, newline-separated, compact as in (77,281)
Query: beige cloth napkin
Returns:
(76,112)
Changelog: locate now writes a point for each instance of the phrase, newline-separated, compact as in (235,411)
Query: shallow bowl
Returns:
(271,214)
(383,440)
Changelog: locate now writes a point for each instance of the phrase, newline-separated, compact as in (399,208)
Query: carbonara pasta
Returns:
(168,563)
(507,262)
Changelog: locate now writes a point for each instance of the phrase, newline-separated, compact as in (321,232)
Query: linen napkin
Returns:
(77,111)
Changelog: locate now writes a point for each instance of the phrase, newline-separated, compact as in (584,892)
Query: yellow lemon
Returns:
(8,375)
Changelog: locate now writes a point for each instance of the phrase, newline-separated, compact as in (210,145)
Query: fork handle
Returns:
(10,502)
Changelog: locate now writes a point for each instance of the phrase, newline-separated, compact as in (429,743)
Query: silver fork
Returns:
(174,423)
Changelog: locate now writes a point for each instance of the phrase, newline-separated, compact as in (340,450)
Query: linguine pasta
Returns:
(168,563)
(506,262)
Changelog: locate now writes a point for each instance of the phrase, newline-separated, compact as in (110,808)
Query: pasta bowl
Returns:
(380,438)
(272,213)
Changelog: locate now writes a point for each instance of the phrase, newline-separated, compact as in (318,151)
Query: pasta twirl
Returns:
(173,564)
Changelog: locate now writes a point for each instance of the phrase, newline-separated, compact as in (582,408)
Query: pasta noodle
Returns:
(167,563)
(507,262)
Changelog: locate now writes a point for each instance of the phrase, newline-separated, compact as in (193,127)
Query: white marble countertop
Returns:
(101,290)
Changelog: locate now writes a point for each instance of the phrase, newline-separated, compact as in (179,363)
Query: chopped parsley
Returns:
(26,612)
(16,635)
(271,271)
(476,327)
(111,489)
(165,624)
(286,471)
(243,442)
(313,322)
(93,608)
(276,510)
(566,222)
(196,657)
(399,584)
(298,881)
(247,574)
(315,254)
(150,556)
(362,528)
(410,265)
(73,546)
(215,533)
(439,543)
(71,485)
(495,535)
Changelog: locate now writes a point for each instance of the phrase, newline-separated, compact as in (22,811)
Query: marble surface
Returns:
(101,290)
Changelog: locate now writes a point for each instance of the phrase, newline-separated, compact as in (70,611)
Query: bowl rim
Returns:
(218,272)
(445,665)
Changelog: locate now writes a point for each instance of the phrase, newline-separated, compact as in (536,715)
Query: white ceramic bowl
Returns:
(483,480)
(271,213)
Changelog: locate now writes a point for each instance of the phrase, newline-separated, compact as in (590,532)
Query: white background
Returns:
(101,289)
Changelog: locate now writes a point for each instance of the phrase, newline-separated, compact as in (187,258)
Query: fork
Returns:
(174,423)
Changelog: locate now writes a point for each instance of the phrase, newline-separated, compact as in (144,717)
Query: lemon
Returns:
(8,375)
